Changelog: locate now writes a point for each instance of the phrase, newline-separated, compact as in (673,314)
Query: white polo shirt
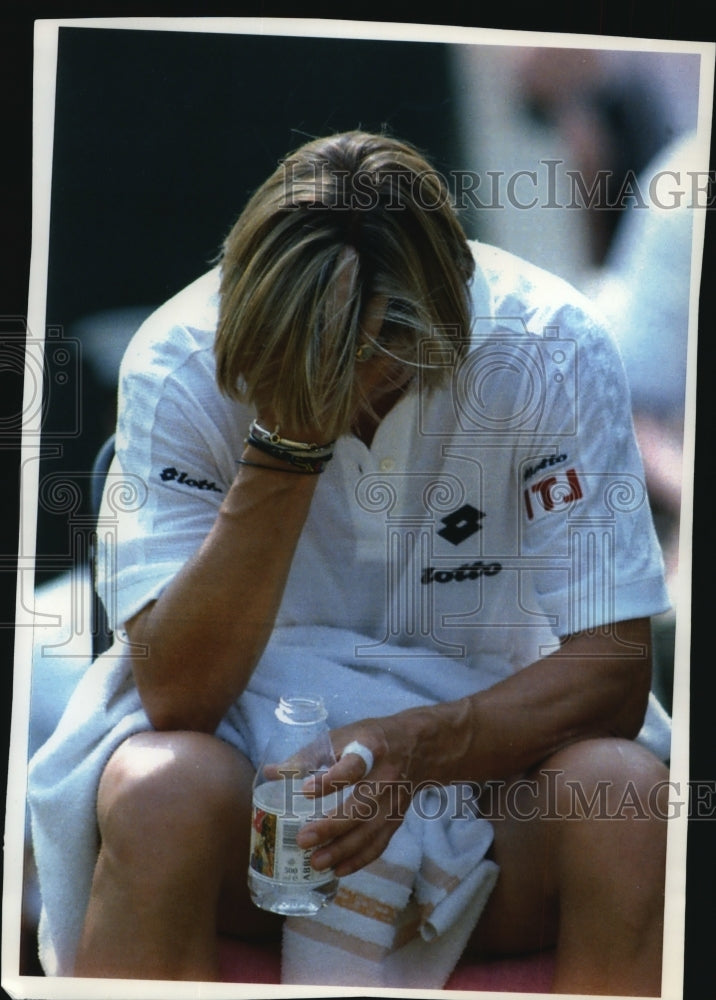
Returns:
(484,520)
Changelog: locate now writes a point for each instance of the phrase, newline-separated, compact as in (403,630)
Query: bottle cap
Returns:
(301,710)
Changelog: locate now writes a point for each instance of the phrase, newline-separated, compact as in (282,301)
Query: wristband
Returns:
(304,461)
(272,437)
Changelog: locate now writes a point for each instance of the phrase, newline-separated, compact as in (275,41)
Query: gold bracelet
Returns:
(274,438)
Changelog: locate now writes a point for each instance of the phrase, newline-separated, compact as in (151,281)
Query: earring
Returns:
(365,351)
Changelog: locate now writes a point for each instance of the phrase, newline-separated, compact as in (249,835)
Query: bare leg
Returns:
(173,812)
(582,854)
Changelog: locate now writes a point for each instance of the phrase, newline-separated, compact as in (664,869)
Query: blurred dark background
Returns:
(160,137)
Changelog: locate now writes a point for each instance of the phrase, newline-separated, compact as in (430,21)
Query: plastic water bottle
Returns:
(281,878)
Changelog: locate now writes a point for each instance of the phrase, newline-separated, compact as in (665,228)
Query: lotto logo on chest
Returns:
(461,524)
(457,527)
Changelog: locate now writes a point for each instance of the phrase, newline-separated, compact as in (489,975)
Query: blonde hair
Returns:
(290,319)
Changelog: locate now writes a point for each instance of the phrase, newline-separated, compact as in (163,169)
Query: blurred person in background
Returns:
(614,114)
(644,289)
(627,116)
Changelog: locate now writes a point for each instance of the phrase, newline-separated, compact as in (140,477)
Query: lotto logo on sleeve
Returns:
(172,475)
(553,493)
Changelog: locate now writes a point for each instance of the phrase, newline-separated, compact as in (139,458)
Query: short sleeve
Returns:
(585,515)
(177,443)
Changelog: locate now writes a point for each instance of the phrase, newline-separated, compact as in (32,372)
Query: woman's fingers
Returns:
(347,844)
(375,760)
(359,829)
(355,850)
(355,761)
(347,771)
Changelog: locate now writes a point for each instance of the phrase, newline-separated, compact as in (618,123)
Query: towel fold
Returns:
(403,920)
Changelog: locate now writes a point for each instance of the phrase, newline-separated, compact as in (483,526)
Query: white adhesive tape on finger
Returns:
(362,751)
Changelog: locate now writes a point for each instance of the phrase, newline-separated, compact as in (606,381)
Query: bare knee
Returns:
(608,779)
(164,794)
(611,796)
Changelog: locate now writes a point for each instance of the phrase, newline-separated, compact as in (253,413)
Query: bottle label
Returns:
(278,814)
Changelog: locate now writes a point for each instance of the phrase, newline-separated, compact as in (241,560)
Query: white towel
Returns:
(404,920)
(355,681)
(103,711)
(64,774)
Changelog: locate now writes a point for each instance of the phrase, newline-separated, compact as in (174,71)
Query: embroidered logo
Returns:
(552,493)
(462,523)
(468,571)
(545,463)
(171,474)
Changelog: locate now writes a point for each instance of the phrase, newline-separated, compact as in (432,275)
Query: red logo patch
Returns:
(552,493)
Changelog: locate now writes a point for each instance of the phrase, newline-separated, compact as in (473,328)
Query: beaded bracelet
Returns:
(257,432)
(308,463)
